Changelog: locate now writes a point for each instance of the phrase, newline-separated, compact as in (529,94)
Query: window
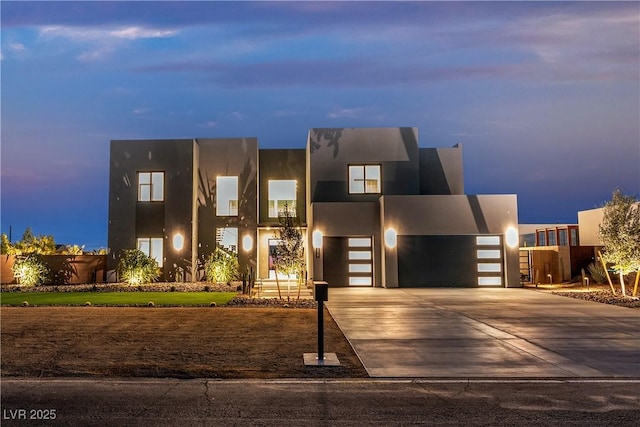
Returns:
(563,239)
(364,179)
(542,240)
(227,196)
(151,246)
(281,193)
(150,186)
(574,237)
(551,237)
(227,238)
(488,240)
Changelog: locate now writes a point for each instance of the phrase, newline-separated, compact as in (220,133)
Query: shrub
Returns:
(135,267)
(30,270)
(597,273)
(221,266)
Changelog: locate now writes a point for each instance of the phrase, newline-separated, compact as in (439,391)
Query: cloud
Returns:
(102,41)
(342,113)
(16,47)
(141,110)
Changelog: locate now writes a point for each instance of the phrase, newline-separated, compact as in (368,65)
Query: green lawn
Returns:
(117,298)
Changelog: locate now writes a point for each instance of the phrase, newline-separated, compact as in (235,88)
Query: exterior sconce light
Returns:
(247,243)
(316,240)
(390,238)
(178,242)
(511,237)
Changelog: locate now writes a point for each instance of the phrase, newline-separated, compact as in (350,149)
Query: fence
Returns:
(64,269)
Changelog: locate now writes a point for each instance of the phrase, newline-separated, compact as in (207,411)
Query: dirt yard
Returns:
(169,342)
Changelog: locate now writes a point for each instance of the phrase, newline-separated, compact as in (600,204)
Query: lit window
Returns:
(359,254)
(364,242)
(489,281)
(488,253)
(359,268)
(227,196)
(281,193)
(359,281)
(488,240)
(364,179)
(151,246)
(150,186)
(489,268)
(227,238)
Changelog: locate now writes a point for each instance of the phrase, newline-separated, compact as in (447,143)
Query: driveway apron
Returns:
(486,333)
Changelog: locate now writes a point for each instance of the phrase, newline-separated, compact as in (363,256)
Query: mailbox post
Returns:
(321,294)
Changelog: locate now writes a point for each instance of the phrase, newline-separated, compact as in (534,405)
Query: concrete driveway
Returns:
(486,333)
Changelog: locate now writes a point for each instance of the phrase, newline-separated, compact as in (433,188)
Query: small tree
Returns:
(620,235)
(289,253)
(136,267)
(30,270)
(222,266)
(5,247)
(31,244)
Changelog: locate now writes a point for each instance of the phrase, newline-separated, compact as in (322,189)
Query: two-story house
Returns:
(374,208)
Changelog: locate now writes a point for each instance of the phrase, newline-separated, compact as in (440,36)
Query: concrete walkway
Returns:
(491,333)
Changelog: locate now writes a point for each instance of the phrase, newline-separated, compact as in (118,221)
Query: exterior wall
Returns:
(331,151)
(129,219)
(441,171)
(589,223)
(346,219)
(564,263)
(65,269)
(449,216)
(228,157)
(282,164)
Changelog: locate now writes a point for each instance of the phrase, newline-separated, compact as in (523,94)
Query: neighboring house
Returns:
(560,252)
(374,208)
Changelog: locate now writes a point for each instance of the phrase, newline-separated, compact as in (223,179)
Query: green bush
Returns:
(135,267)
(597,273)
(222,266)
(30,270)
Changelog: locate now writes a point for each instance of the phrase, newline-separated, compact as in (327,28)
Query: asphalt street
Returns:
(201,402)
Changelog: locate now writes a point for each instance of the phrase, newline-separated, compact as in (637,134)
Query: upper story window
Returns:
(542,238)
(551,238)
(574,237)
(227,196)
(281,193)
(150,186)
(563,237)
(364,179)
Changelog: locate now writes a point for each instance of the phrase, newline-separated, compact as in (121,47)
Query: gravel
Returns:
(602,296)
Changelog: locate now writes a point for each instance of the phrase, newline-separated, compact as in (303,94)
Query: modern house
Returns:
(374,208)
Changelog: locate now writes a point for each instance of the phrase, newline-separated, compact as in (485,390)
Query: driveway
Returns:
(486,333)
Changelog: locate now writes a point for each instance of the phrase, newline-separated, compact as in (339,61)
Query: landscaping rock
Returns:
(244,301)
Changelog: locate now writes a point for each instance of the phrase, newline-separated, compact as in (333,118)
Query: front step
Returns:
(269,289)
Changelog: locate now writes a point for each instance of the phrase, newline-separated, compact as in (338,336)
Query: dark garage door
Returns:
(447,261)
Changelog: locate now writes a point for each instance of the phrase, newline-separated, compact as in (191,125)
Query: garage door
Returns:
(348,261)
(450,261)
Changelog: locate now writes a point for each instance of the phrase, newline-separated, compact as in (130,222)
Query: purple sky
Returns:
(544,97)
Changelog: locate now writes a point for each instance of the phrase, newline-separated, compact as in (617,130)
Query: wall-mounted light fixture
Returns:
(390,238)
(247,243)
(511,237)
(316,241)
(178,241)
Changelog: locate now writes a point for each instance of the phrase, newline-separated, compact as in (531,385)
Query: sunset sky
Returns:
(544,97)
